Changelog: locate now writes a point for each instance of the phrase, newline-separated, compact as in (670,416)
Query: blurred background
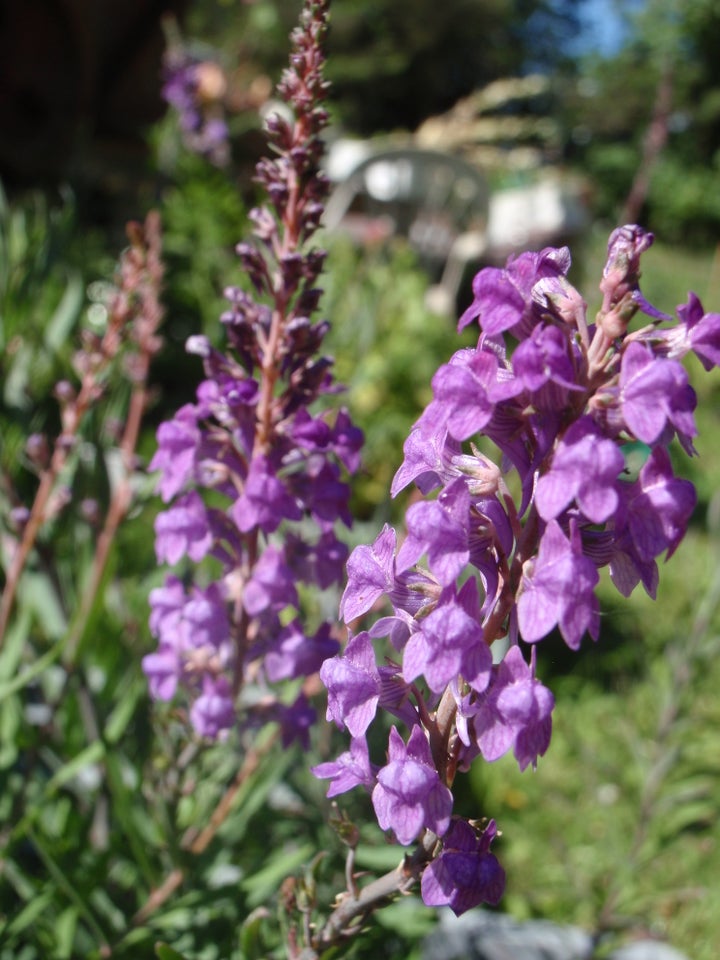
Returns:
(461,132)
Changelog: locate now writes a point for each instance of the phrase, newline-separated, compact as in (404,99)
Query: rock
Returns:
(481,935)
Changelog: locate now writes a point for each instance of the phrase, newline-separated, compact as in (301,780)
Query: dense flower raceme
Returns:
(482,576)
(251,472)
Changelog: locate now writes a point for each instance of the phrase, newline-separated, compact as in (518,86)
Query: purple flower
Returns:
(296,721)
(463,391)
(271,585)
(353,684)
(439,527)
(265,501)
(557,589)
(205,618)
(164,670)
(654,514)
(427,461)
(653,393)
(321,563)
(466,873)
(213,712)
(545,366)
(698,331)
(449,643)
(409,795)
(178,440)
(351,769)
(294,654)
(584,467)
(166,608)
(503,297)
(183,530)
(370,573)
(516,713)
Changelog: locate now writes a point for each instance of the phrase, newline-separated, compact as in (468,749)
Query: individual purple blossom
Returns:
(515,713)
(370,574)
(213,712)
(463,402)
(409,795)
(351,769)
(584,468)
(265,501)
(296,721)
(548,366)
(655,394)
(558,590)
(440,527)
(178,440)
(354,685)
(293,654)
(503,296)
(465,874)
(271,585)
(697,331)
(653,518)
(183,530)
(449,643)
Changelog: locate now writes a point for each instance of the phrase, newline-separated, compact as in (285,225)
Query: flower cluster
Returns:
(195,89)
(253,475)
(484,573)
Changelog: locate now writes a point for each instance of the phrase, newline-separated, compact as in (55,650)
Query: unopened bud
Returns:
(37,450)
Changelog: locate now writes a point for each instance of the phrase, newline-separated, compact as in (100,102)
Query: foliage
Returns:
(424,56)
(610,110)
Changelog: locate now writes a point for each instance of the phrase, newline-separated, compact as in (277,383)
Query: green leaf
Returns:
(14,645)
(30,913)
(165,952)
(37,592)
(66,314)
(93,753)
(65,926)
(124,710)
(262,885)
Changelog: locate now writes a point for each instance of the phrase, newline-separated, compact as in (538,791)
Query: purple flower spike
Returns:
(465,874)
(557,589)
(409,795)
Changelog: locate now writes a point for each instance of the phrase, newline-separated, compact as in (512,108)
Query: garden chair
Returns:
(437,201)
